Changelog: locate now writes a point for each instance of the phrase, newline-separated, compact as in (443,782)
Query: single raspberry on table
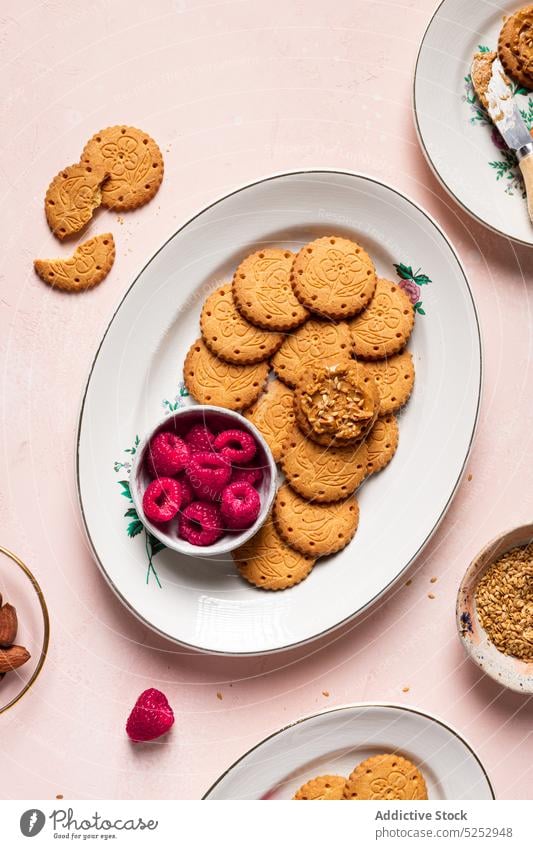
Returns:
(187,494)
(237,446)
(250,474)
(200,438)
(162,499)
(240,505)
(150,718)
(168,453)
(208,473)
(200,523)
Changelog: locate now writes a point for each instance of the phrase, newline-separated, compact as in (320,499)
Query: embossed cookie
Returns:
(269,563)
(134,163)
(336,404)
(316,342)
(228,335)
(334,277)
(311,528)
(262,290)
(72,197)
(515,46)
(213,381)
(273,415)
(323,787)
(384,327)
(388,777)
(394,378)
(89,264)
(322,474)
(381,443)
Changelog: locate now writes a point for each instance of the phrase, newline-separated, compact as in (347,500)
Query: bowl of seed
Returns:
(495,609)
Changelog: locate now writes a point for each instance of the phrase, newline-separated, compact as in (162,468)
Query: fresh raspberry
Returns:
(200,523)
(208,473)
(236,446)
(200,438)
(186,491)
(240,505)
(151,717)
(250,474)
(169,454)
(162,499)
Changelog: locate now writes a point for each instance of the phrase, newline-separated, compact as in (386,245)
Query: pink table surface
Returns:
(232,91)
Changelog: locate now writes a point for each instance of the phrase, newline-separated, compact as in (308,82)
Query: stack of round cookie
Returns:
(388,777)
(334,335)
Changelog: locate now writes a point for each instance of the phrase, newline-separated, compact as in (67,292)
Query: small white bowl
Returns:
(508,671)
(217,418)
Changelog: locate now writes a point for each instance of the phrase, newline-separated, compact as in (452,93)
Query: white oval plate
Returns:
(138,367)
(458,139)
(335,741)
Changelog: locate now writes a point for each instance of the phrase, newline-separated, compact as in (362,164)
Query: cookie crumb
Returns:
(469,477)
(325,693)
(430,595)
(219,696)
(409,582)
(405,689)
(433,580)
(59,796)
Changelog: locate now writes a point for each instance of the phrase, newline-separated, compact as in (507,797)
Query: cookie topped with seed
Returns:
(515,46)
(334,277)
(89,264)
(323,787)
(269,563)
(213,381)
(312,528)
(273,415)
(389,777)
(315,343)
(394,378)
(384,327)
(134,163)
(230,336)
(72,197)
(323,474)
(262,290)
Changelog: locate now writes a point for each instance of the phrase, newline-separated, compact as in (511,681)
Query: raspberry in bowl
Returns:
(203,481)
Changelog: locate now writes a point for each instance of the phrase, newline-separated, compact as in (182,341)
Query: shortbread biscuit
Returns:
(72,197)
(394,378)
(336,404)
(273,415)
(269,563)
(515,46)
(134,162)
(381,443)
(230,336)
(388,777)
(334,277)
(322,474)
(262,290)
(89,264)
(315,343)
(212,381)
(311,528)
(323,787)
(384,327)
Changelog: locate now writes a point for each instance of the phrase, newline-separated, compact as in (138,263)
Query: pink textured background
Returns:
(231,90)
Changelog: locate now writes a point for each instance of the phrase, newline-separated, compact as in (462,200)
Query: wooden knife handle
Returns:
(526,167)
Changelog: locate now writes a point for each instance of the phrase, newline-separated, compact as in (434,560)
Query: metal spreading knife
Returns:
(496,96)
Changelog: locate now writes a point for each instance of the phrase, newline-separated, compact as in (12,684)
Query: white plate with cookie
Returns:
(138,373)
(457,137)
(360,751)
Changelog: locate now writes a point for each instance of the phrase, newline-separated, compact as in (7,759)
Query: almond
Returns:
(8,625)
(13,657)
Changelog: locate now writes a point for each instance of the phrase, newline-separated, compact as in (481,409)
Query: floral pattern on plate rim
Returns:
(506,168)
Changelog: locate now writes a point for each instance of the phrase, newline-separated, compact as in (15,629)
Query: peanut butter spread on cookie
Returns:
(336,401)
(481,73)
(522,38)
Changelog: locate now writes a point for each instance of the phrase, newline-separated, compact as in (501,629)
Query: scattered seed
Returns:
(405,689)
(433,580)
(219,696)
(325,693)
(430,595)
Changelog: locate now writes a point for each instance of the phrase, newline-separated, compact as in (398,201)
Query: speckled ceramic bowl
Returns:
(218,419)
(506,670)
